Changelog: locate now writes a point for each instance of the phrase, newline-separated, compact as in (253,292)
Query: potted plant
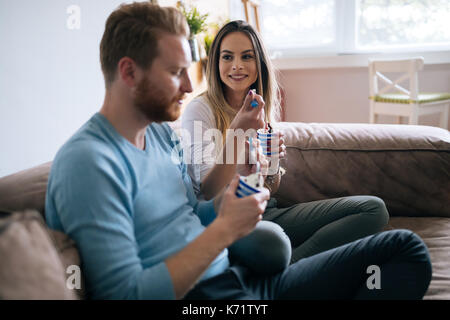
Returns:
(197,24)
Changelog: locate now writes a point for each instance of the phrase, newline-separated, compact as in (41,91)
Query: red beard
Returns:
(154,104)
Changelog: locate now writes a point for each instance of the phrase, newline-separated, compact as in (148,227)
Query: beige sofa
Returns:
(407,166)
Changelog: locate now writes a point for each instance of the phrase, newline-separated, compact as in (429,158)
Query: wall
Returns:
(50,76)
(341,94)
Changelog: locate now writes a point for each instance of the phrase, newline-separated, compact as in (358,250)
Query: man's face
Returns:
(161,90)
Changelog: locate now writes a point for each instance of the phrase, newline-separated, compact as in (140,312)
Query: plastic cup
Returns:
(244,189)
(269,145)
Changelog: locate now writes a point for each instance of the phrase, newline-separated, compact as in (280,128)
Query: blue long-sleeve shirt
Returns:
(126,209)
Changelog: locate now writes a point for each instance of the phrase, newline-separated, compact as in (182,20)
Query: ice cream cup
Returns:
(269,144)
(249,185)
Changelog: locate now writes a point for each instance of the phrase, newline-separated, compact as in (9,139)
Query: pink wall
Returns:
(341,94)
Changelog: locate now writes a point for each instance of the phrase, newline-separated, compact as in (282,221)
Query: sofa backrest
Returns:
(25,189)
(406,166)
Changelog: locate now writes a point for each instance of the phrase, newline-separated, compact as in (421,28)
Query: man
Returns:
(115,189)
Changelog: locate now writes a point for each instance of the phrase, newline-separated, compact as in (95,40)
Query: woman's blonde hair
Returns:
(266,84)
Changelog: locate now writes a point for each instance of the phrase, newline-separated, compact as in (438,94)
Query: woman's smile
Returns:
(238,77)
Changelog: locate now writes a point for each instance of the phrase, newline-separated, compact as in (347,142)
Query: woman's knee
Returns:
(376,207)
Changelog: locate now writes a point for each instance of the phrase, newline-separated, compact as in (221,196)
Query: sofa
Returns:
(407,166)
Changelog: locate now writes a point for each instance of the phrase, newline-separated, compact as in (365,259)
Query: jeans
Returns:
(344,272)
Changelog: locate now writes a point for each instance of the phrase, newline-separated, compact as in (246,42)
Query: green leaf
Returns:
(195,20)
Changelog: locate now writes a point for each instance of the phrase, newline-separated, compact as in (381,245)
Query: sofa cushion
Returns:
(435,233)
(30,267)
(407,166)
(25,189)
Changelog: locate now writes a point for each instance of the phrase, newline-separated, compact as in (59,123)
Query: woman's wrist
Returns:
(273,177)
(272,182)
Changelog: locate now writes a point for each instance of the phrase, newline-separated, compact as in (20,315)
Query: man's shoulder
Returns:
(86,148)
(78,156)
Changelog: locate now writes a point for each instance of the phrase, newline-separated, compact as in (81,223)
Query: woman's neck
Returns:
(235,98)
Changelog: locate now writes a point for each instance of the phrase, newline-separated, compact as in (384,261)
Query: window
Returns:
(299,27)
(290,24)
(402,23)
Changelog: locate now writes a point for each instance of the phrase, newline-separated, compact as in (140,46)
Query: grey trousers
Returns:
(287,235)
(317,226)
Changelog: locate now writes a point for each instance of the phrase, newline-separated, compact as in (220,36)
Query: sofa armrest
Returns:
(407,166)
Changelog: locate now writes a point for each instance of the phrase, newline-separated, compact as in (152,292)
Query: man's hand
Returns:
(236,218)
(240,215)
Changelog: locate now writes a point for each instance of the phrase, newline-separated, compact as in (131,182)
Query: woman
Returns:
(238,64)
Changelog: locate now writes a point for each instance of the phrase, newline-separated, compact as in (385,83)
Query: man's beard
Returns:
(154,104)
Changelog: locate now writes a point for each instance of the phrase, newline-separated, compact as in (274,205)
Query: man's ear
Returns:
(127,71)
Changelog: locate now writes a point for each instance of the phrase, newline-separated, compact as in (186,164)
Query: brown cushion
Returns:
(407,166)
(30,267)
(435,233)
(25,189)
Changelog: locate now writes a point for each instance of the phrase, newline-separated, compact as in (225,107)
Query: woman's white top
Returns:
(198,136)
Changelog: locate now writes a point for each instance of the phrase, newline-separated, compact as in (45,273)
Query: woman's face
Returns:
(237,62)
